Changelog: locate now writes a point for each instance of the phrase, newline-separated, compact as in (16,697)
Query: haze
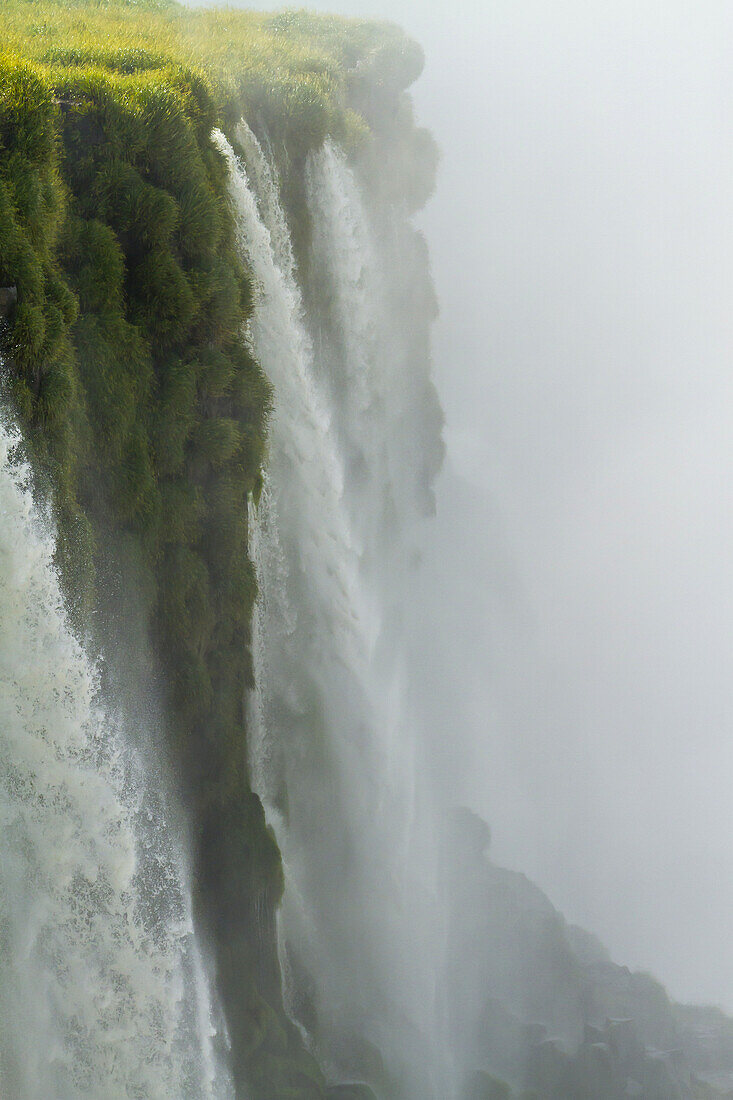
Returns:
(573,638)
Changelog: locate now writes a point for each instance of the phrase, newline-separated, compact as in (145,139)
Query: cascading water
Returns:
(364,349)
(103,991)
(332,748)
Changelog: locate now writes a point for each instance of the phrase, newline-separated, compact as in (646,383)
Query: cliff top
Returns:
(315,71)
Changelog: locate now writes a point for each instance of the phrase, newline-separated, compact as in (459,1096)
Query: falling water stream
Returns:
(332,743)
(103,992)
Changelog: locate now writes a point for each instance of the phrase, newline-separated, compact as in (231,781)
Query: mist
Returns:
(572,633)
(583,358)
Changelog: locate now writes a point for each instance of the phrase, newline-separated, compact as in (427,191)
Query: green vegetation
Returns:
(293,72)
(144,409)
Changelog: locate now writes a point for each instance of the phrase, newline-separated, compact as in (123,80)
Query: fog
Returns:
(573,639)
(584,364)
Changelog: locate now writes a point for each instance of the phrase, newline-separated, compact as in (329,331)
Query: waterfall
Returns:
(103,991)
(332,741)
(361,348)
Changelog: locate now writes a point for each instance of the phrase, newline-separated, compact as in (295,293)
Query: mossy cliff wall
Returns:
(144,411)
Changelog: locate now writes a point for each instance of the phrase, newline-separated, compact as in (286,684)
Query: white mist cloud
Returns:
(584,358)
(577,591)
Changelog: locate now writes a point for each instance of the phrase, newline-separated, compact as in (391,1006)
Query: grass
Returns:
(295,72)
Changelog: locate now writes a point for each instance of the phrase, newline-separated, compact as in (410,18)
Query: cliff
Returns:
(539,1009)
(124,301)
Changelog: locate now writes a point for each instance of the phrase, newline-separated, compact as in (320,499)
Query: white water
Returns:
(332,744)
(103,992)
(365,348)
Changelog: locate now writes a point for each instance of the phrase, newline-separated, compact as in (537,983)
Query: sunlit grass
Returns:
(297,70)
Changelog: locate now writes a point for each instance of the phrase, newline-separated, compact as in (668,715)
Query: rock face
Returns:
(538,1008)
